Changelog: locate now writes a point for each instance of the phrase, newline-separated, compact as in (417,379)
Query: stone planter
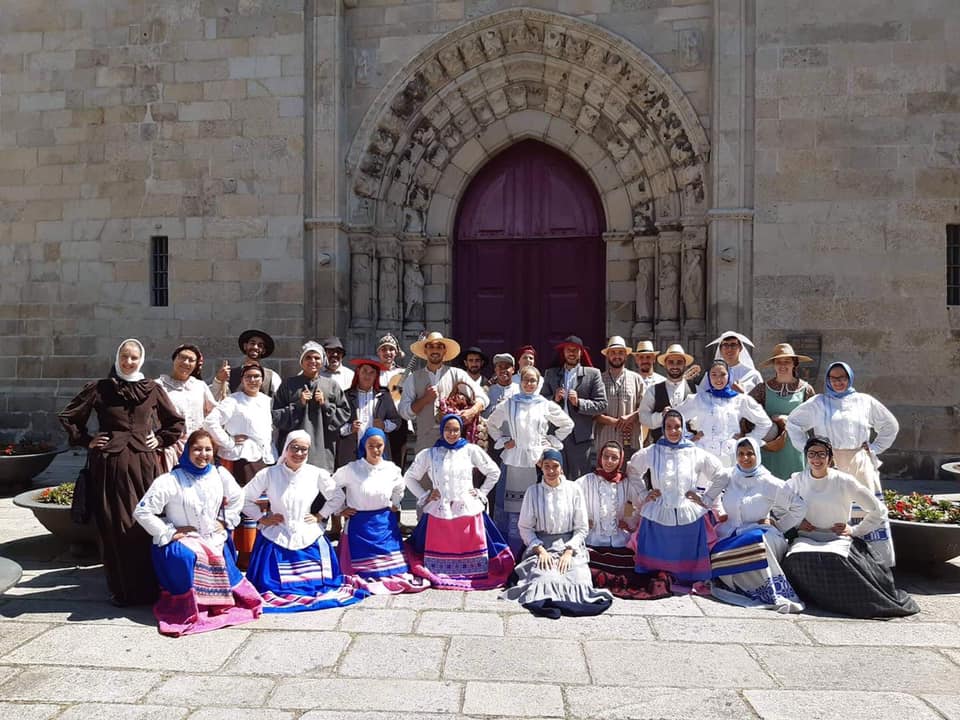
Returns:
(16,471)
(924,546)
(56,519)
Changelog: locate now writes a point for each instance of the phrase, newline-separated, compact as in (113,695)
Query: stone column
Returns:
(668,287)
(693,276)
(413,286)
(389,317)
(645,248)
(730,260)
(361,281)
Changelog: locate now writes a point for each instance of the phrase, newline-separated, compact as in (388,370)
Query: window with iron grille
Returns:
(953,264)
(159,271)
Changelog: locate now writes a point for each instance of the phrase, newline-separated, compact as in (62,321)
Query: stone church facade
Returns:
(788,169)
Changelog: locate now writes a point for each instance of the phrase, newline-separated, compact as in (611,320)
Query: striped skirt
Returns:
(680,550)
(747,572)
(372,557)
(465,553)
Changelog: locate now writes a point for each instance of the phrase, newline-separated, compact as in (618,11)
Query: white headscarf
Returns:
(301,435)
(744,358)
(136,375)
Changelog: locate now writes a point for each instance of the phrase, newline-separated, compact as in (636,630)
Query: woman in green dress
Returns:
(779,396)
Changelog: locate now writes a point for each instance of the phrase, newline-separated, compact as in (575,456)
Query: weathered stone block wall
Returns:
(123,120)
(858,172)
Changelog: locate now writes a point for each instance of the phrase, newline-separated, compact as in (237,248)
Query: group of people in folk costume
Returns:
(626,483)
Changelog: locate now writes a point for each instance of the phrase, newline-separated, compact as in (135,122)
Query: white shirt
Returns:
(605,502)
(362,486)
(748,499)
(242,414)
(190,397)
(343,376)
(719,420)
(526,422)
(221,390)
(845,421)
(387,375)
(673,471)
(451,472)
(651,379)
(675,393)
(553,511)
(829,498)
(290,494)
(747,377)
(190,500)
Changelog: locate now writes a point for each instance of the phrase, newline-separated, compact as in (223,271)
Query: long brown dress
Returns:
(121,472)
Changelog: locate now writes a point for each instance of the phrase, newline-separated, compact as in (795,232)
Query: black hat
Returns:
(269,345)
(472,350)
(334,343)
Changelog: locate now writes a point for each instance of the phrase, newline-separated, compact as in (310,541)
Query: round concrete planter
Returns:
(56,519)
(924,546)
(16,471)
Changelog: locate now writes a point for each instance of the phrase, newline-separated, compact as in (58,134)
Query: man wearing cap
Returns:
(370,406)
(645,357)
(388,352)
(526,357)
(502,386)
(660,397)
(312,403)
(576,386)
(732,349)
(255,346)
(624,390)
(423,388)
(474,360)
(335,369)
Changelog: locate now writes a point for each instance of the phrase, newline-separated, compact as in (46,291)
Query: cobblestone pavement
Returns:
(66,653)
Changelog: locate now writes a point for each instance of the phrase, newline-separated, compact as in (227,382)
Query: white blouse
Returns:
(362,486)
(553,511)
(749,499)
(829,499)
(290,494)
(605,503)
(191,398)
(526,422)
(451,472)
(719,420)
(190,500)
(242,414)
(845,421)
(674,471)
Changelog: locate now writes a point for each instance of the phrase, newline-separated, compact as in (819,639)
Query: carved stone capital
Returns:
(388,246)
(413,249)
(669,241)
(361,244)
(645,246)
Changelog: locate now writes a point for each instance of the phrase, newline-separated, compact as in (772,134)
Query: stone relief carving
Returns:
(361,280)
(492,43)
(361,210)
(692,284)
(669,285)
(643,219)
(522,37)
(389,285)
(413,281)
(361,70)
(690,48)
(643,283)
(450,60)
(472,51)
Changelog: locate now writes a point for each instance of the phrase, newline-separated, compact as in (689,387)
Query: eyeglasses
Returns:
(835,378)
(189,359)
(729,345)
(252,378)
(298,449)
(818,454)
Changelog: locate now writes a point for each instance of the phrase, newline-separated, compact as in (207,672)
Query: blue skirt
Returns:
(680,550)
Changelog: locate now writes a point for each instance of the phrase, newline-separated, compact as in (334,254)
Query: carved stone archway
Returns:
(532,74)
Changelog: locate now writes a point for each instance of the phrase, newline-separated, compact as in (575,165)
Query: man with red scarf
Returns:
(576,386)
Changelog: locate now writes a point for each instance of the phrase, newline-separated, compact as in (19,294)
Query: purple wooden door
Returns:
(528,254)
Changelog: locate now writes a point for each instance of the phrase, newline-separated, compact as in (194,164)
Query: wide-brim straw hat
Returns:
(675,349)
(785,350)
(268,345)
(615,342)
(645,347)
(453,347)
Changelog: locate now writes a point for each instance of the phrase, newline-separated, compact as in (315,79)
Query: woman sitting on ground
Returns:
(829,564)
(293,564)
(553,577)
(746,558)
(189,512)
(460,547)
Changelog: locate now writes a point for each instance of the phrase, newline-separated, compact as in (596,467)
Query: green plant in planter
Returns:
(919,508)
(60,495)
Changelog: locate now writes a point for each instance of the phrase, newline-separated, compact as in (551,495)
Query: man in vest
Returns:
(255,346)
(660,397)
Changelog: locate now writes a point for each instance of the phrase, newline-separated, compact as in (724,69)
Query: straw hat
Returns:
(453,347)
(784,350)
(645,347)
(675,349)
(613,343)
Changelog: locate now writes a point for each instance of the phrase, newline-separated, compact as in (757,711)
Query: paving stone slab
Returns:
(126,647)
(365,715)
(429,600)
(515,699)
(13,634)
(556,661)
(28,712)
(412,658)
(938,607)
(194,690)
(377,620)
(598,627)
(825,705)
(630,703)
(953,655)
(74,684)
(778,630)
(489,601)
(674,665)
(867,632)
(681,605)
(910,670)
(947,705)
(283,652)
(110,711)
(392,696)
(712,607)
(28,609)
(327,619)
(239,714)
(458,622)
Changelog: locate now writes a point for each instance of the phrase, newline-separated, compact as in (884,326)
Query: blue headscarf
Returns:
(191,469)
(551,454)
(441,442)
(828,389)
(726,391)
(683,442)
(362,442)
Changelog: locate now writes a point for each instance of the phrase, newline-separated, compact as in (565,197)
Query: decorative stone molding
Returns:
(362,280)
(413,281)
(388,287)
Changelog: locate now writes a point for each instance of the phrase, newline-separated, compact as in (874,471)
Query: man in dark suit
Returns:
(577,387)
